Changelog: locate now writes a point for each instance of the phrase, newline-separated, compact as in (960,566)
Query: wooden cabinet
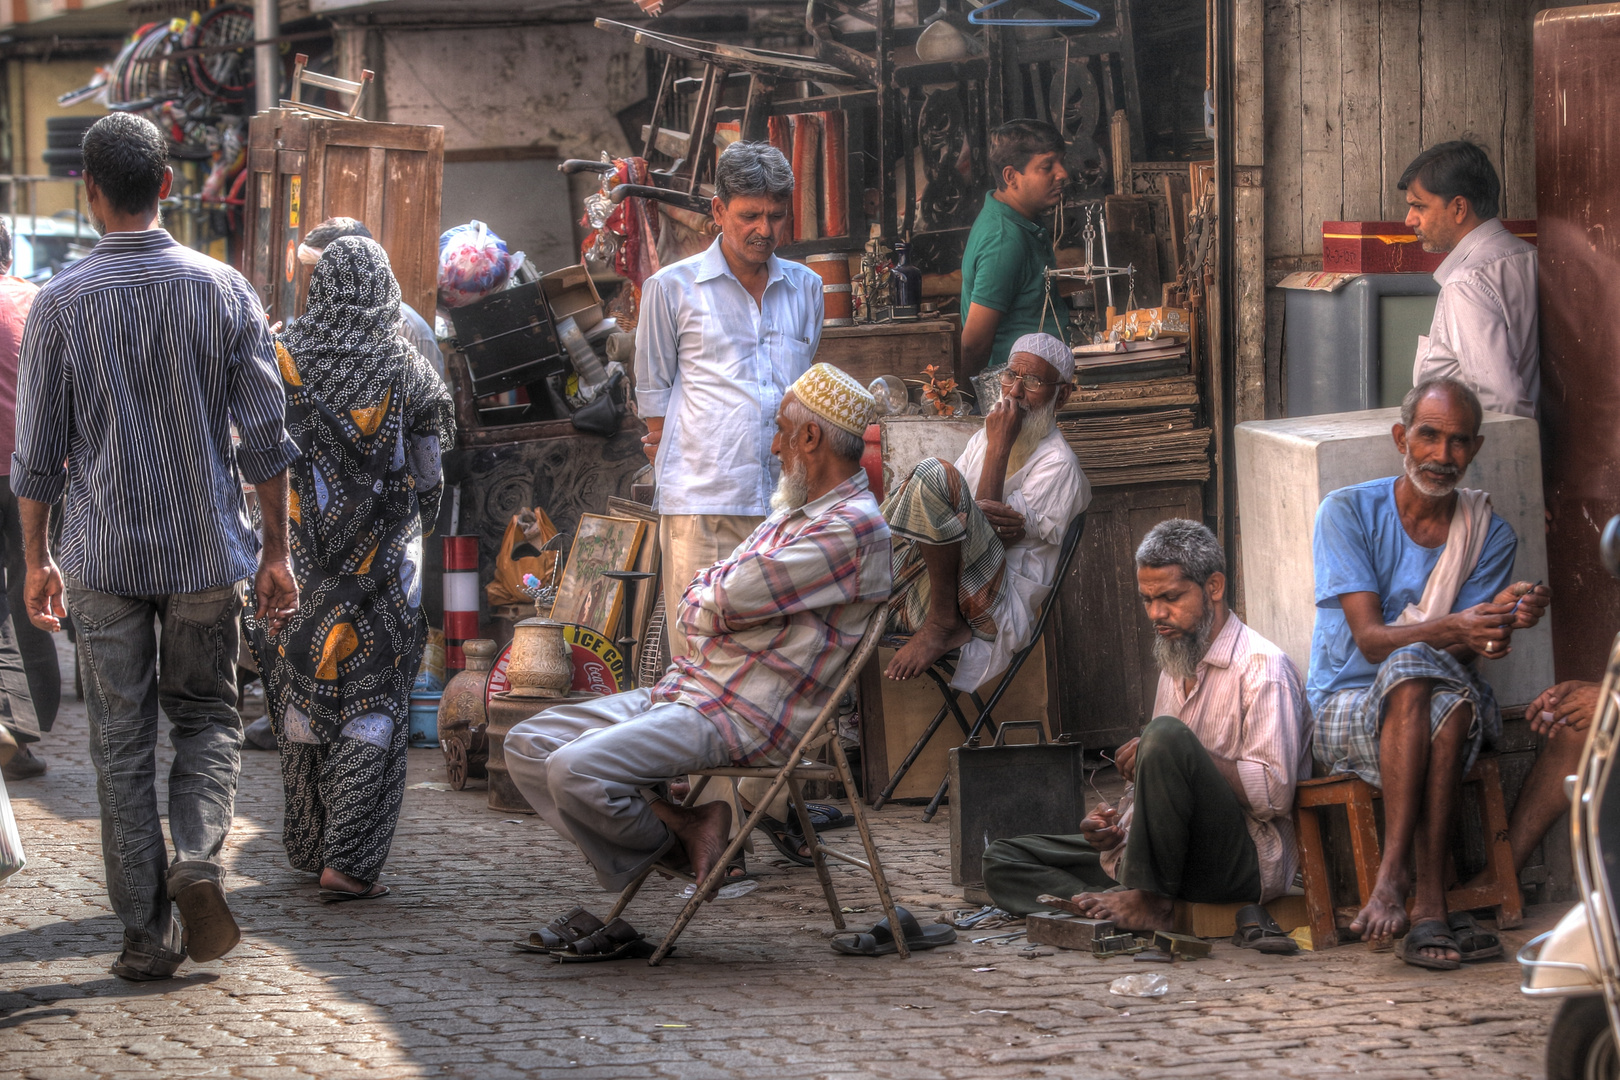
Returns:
(305,169)
(1101,667)
(903,349)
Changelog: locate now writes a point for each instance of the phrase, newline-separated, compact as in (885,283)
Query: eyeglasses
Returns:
(1032,383)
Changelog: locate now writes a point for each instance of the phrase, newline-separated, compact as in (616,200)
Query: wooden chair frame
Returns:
(791,776)
(942,671)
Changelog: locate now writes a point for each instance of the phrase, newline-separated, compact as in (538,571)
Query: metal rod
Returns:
(266,66)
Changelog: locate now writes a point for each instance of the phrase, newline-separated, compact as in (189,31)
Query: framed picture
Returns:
(584,596)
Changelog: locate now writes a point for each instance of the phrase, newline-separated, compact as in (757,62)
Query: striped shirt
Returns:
(771,627)
(1248,706)
(136,361)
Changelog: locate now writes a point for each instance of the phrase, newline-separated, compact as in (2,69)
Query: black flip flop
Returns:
(343,896)
(1473,942)
(568,927)
(1429,934)
(879,941)
(825,816)
(1257,930)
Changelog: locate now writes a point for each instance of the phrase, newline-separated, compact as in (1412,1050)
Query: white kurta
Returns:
(1485,321)
(1048,490)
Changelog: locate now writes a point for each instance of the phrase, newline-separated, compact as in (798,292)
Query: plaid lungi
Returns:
(934,506)
(1349,722)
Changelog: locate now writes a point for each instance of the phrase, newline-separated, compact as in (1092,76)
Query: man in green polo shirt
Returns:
(1004,283)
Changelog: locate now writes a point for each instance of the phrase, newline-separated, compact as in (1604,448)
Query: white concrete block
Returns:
(1285,467)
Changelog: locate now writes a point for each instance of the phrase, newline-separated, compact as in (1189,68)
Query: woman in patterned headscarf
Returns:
(371,419)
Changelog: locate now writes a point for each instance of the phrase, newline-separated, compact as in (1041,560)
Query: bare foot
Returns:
(702,832)
(1435,952)
(928,644)
(338,881)
(1131,909)
(1384,918)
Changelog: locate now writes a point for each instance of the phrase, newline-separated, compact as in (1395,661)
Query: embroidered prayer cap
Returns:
(1050,349)
(835,397)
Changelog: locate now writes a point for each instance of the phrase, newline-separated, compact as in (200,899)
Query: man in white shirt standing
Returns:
(1485,326)
(722,335)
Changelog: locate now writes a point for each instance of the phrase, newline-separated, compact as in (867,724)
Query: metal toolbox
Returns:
(509,339)
(999,791)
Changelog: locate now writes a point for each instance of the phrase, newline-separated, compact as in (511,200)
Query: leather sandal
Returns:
(618,940)
(1257,930)
(565,929)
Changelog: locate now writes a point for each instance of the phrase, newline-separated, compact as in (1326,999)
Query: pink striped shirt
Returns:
(1248,706)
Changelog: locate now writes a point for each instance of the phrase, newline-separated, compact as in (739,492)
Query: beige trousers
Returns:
(690,544)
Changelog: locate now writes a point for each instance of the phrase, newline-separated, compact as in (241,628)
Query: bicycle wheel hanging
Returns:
(223,76)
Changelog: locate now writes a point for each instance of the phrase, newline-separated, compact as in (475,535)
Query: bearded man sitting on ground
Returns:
(769,629)
(1207,817)
(977,543)
(1413,587)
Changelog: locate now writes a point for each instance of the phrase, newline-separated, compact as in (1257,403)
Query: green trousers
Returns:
(1189,839)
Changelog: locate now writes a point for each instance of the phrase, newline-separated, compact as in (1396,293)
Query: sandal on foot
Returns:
(785,839)
(568,927)
(1429,934)
(1257,930)
(879,941)
(341,896)
(618,940)
(209,929)
(1473,942)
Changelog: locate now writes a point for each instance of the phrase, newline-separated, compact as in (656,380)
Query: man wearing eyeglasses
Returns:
(976,543)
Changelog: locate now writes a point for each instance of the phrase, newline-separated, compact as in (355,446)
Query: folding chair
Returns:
(944,669)
(822,730)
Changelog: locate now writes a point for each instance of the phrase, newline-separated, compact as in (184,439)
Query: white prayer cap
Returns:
(1048,348)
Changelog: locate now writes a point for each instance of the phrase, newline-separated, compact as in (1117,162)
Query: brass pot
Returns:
(541,664)
(461,715)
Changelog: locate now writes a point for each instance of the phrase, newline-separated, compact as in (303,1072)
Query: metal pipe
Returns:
(1108,281)
(266,62)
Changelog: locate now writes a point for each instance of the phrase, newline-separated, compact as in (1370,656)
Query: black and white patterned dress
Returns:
(370,419)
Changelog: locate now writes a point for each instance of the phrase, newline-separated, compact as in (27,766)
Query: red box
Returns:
(1387,247)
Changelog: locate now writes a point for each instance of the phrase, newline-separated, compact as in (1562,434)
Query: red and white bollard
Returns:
(460,598)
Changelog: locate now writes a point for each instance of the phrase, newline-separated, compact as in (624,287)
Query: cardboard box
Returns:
(572,294)
(1220,920)
(1388,247)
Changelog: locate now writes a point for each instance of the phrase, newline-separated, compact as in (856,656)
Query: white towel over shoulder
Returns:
(1470,523)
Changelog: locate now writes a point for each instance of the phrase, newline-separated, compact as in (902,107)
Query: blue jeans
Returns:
(186,664)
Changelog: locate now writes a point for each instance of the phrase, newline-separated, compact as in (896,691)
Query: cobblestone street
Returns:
(425,984)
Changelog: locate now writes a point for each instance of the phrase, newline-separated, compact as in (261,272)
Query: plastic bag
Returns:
(11,849)
(472,264)
(1143,986)
(526,530)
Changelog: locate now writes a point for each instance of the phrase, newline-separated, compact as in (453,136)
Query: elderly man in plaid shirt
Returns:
(770,628)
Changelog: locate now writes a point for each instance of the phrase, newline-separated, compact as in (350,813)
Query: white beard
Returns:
(793,489)
(1037,426)
(1179,656)
(1430,484)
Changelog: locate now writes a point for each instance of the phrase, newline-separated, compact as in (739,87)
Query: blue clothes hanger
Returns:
(1091,17)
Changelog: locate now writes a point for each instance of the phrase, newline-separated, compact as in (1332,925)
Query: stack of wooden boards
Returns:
(1142,428)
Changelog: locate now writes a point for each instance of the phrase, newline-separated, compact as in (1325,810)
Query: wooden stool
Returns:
(1499,889)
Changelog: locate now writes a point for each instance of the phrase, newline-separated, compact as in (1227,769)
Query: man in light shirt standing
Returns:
(1485,326)
(722,336)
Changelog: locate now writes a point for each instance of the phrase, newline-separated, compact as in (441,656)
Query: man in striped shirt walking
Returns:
(1207,815)
(136,362)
